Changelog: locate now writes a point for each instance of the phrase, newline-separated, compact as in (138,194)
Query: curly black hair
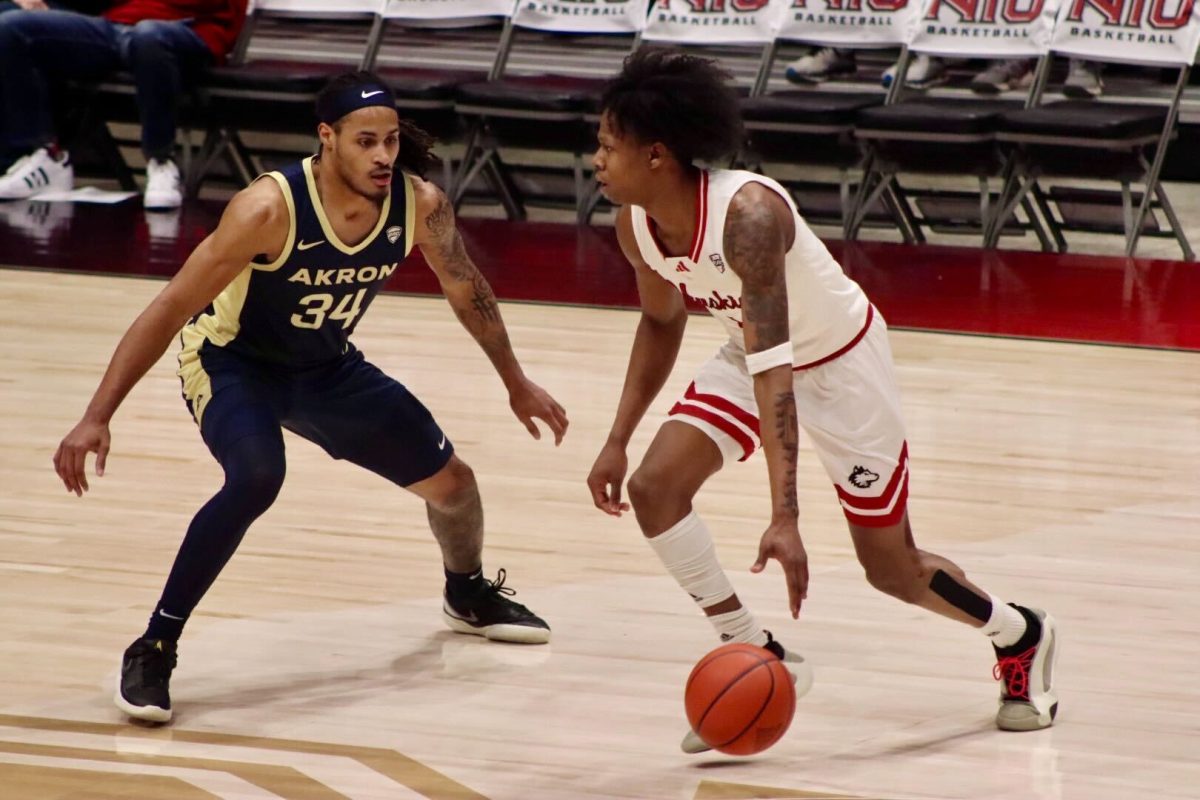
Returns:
(416,146)
(684,101)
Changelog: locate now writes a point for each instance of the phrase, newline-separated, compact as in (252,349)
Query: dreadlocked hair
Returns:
(684,101)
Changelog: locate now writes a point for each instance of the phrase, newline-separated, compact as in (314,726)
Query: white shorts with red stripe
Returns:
(849,407)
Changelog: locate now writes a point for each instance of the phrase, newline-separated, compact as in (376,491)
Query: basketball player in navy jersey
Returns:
(266,305)
(806,350)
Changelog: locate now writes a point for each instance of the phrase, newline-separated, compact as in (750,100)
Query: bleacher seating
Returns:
(497,79)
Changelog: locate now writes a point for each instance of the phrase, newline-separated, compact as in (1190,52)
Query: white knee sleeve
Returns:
(687,551)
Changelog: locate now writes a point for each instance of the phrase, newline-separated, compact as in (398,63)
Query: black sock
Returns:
(164,625)
(1033,632)
(461,585)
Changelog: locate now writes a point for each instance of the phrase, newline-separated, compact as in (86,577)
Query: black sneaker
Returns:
(490,613)
(142,686)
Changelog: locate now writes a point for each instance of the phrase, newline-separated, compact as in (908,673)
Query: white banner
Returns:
(851,23)
(447,9)
(320,7)
(582,16)
(1134,31)
(714,21)
(985,28)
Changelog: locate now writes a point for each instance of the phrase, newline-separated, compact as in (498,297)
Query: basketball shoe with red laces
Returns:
(1028,699)
(802,677)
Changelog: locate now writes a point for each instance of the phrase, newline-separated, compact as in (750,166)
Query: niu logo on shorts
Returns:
(715,258)
(863,477)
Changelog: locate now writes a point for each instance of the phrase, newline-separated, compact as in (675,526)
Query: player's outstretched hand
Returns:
(70,460)
(781,541)
(529,401)
(606,477)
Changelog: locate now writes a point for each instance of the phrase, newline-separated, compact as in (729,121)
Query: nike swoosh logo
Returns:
(468,617)
(303,245)
(365,95)
(442,443)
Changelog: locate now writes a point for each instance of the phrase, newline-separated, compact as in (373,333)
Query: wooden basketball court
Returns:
(1059,475)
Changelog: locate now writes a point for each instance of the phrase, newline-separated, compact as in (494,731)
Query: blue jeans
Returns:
(38,47)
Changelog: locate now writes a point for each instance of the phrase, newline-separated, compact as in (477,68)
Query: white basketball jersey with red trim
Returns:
(828,310)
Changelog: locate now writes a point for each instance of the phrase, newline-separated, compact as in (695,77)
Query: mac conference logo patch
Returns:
(394,233)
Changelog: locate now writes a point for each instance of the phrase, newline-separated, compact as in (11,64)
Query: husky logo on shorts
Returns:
(394,233)
(863,477)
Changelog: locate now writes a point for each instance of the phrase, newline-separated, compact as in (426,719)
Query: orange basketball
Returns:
(740,699)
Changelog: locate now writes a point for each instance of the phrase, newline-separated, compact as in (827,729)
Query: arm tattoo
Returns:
(754,245)
(787,428)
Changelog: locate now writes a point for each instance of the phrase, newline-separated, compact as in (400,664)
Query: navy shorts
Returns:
(350,408)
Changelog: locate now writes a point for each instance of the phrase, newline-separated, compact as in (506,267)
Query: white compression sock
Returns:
(686,550)
(1006,624)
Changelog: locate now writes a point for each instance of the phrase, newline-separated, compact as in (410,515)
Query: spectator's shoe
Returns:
(1083,80)
(924,72)
(143,687)
(491,614)
(1004,74)
(826,63)
(1028,700)
(164,188)
(802,676)
(35,173)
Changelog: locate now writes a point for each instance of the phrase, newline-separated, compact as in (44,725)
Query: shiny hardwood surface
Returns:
(1059,475)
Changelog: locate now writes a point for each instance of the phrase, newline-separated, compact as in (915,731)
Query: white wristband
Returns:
(776,356)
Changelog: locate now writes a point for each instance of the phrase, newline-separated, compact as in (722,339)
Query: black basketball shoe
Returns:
(490,613)
(143,686)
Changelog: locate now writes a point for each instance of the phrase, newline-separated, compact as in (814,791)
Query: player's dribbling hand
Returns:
(70,460)
(528,400)
(606,477)
(781,541)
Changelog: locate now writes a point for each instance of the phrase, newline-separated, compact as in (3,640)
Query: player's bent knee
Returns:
(453,486)
(649,486)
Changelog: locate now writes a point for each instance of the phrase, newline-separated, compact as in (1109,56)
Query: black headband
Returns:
(333,107)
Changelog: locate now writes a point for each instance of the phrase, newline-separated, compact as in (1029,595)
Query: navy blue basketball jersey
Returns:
(299,310)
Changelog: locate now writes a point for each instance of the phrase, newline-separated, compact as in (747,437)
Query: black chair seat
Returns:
(283,77)
(938,115)
(546,93)
(1087,119)
(808,107)
(427,84)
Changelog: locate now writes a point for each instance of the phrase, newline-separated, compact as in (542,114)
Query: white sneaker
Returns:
(163,185)
(37,172)
(923,72)
(802,676)
(1028,698)
(1083,80)
(1004,74)
(828,62)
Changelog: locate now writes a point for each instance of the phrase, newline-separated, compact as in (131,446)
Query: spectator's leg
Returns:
(164,57)
(35,47)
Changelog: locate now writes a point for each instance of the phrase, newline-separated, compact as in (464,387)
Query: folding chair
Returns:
(287,50)
(425,51)
(947,135)
(542,95)
(815,127)
(1121,142)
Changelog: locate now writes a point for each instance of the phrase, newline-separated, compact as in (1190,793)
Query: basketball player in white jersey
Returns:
(806,349)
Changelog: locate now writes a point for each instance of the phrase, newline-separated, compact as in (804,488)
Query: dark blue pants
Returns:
(39,47)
